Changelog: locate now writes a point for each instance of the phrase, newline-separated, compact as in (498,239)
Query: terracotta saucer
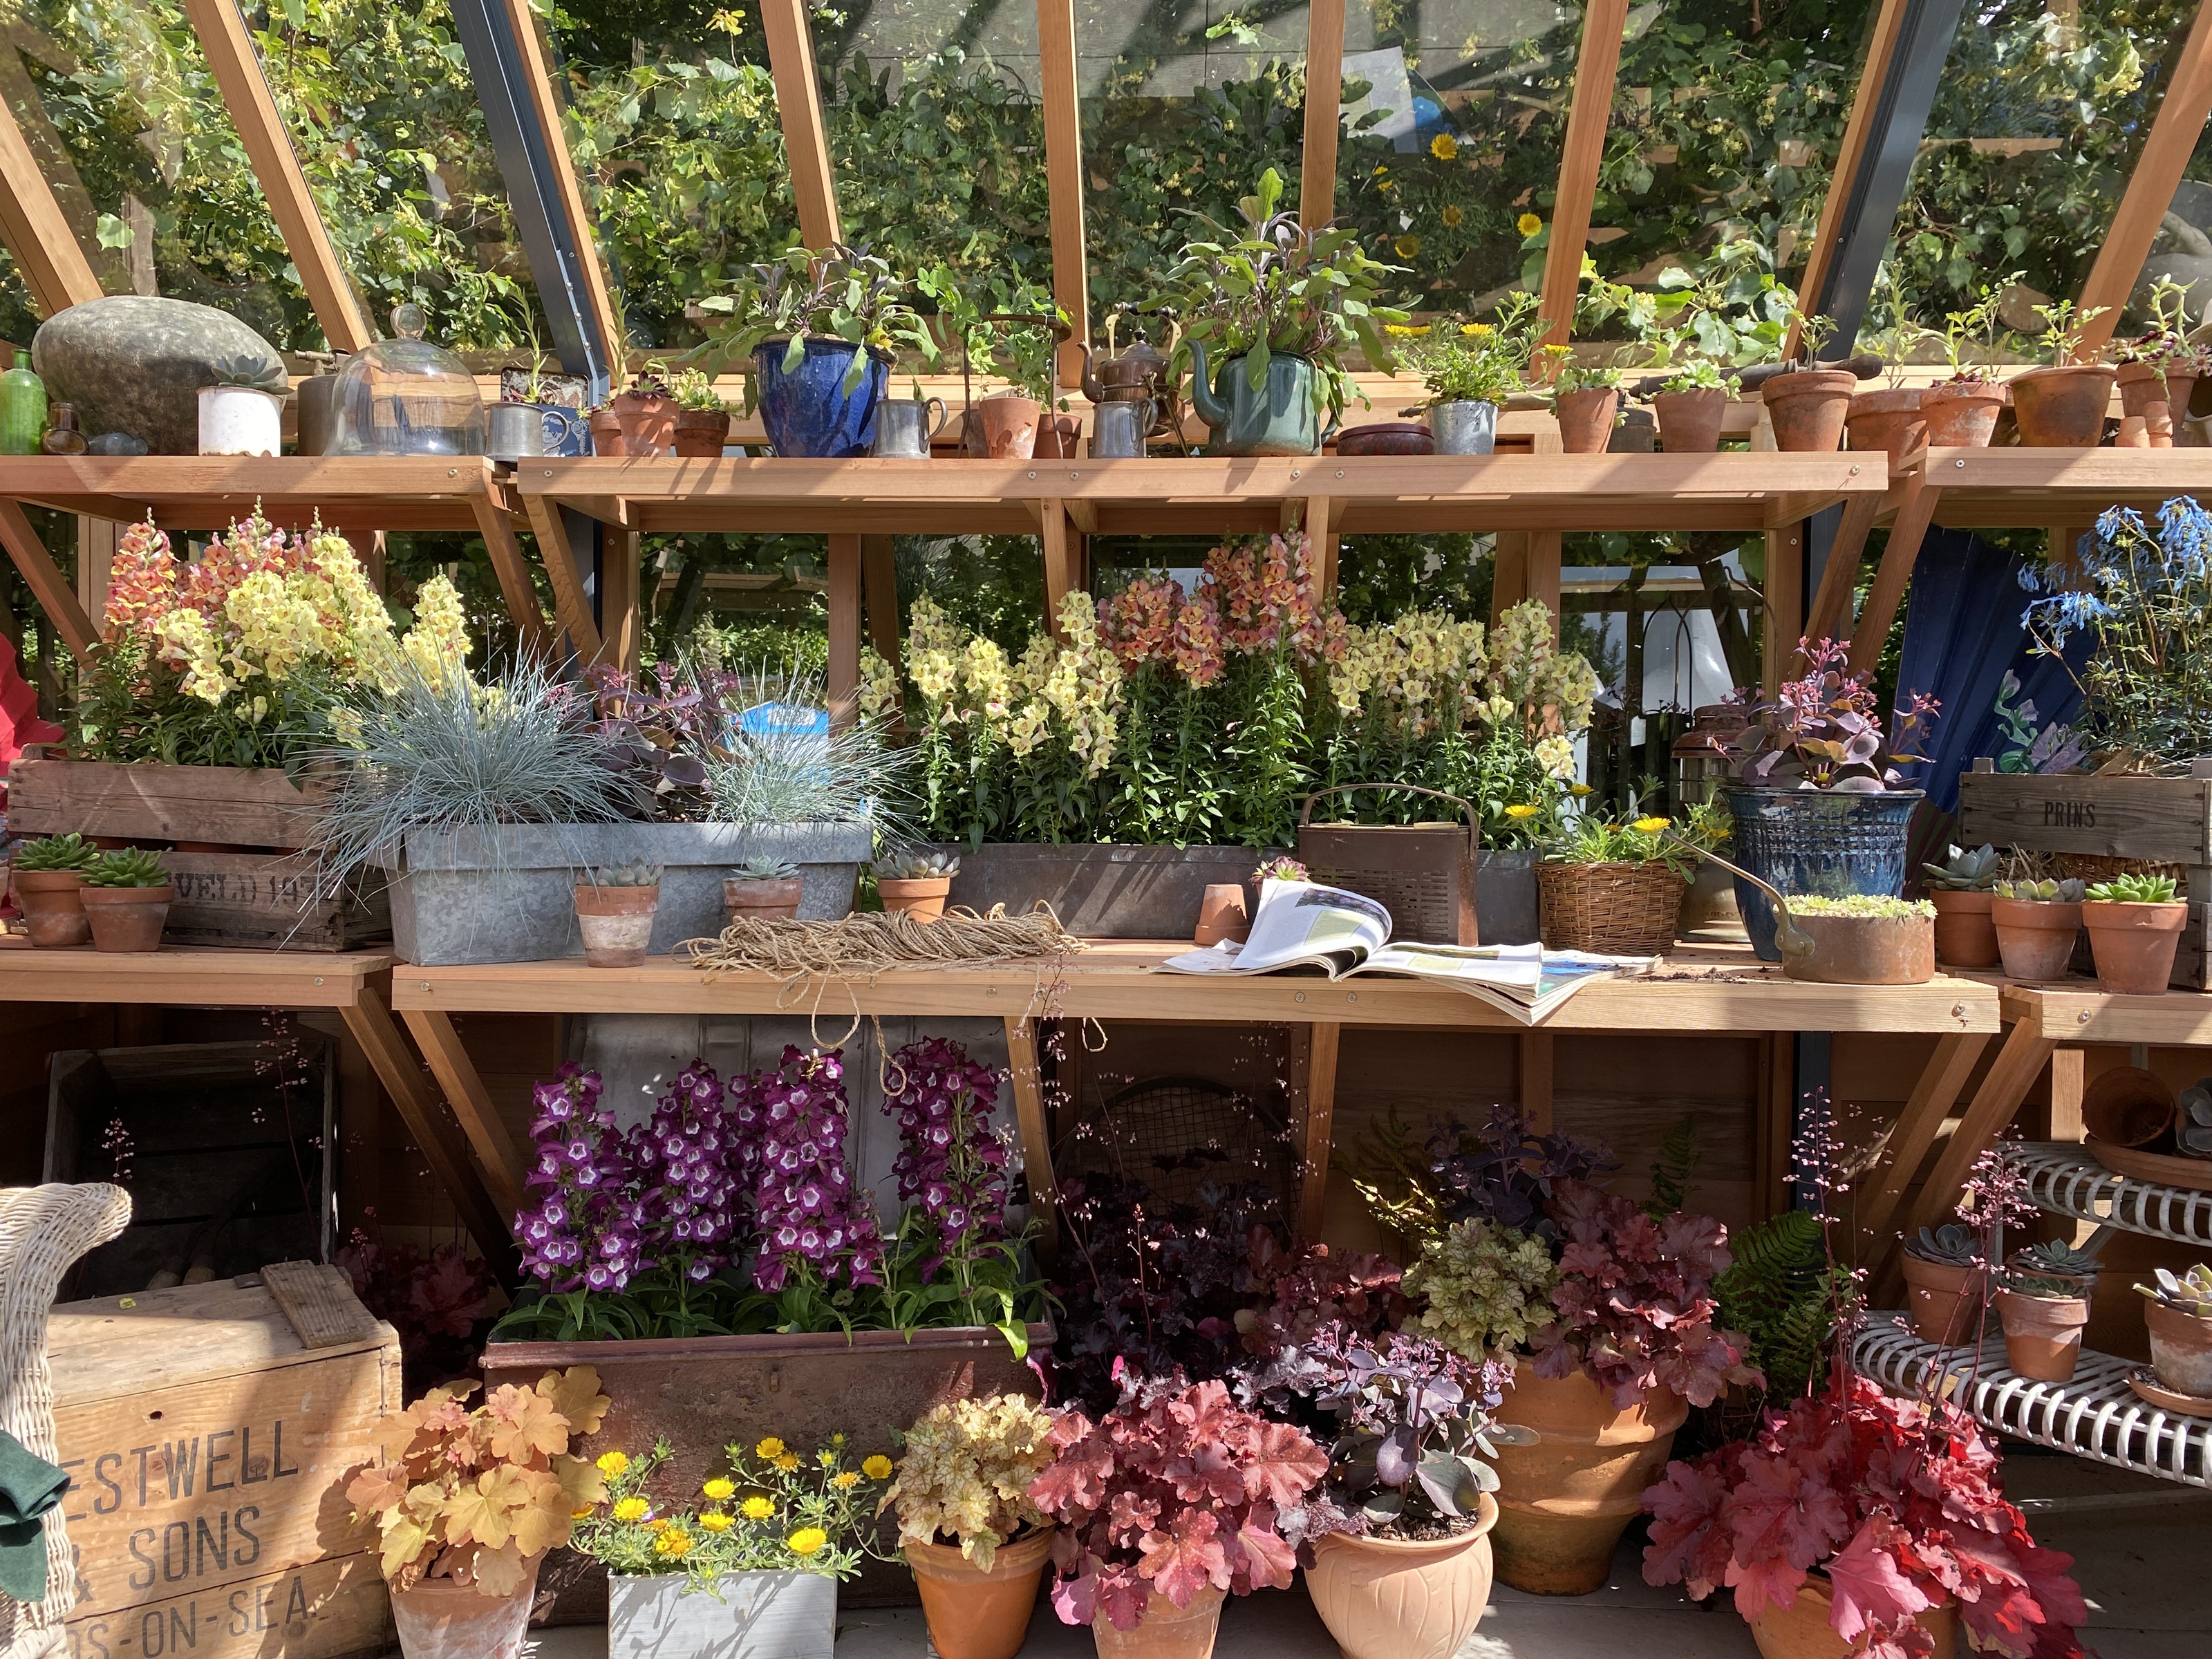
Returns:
(2164,1167)
(2147,1386)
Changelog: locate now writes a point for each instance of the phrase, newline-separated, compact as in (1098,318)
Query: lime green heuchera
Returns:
(1488,1286)
(966,1474)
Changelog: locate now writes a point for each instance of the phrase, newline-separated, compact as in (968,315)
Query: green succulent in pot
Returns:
(917,864)
(2133,889)
(763,869)
(2189,1292)
(637,875)
(2045,890)
(132,867)
(1953,1244)
(1963,872)
(56,852)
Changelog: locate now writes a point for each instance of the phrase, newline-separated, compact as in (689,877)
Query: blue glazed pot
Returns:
(808,411)
(1817,842)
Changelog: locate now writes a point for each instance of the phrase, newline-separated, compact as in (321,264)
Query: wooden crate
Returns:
(267,902)
(209,1451)
(223,805)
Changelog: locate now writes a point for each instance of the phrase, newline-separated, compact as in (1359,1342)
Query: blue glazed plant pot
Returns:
(1817,842)
(808,411)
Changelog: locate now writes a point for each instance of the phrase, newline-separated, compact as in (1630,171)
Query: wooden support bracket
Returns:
(1036,1134)
(513,570)
(1324,112)
(1940,1084)
(1313,1100)
(47,252)
(788,24)
(1830,615)
(1589,115)
(1914,511)
(2010,1076)
(44,578)
(571,605)
(501,1158)
(1061,576)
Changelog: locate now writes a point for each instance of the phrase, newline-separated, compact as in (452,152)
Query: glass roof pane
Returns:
(19,316)
(383,116)
(116,99)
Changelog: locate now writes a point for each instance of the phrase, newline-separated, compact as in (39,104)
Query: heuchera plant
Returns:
(1502,1170)
(966,1472)
(1823,729)
(1313,1292)
(1173,1490)
(1895,1501)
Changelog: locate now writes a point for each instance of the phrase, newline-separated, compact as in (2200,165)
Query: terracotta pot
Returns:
(1961,414)
(1587,418)
(1391,1598)
(1690,422)
(2134,945)
(606,433)
(2043,1333)
(1059,438)
(1221,914)
(700,434)
(1866,951)
(2180,1348)
(2062,408)
(1563,1502)
(440,1619)
(922,897)
(1166,1632)
(2035,941)
(1808,407)
(972,1613)
(1890,421)
(762,901)
(2141,389)
(1802,1630)
(1010,426)
(1943,1298)
(649,424)
(1965,935)
(615,922)
(54,908)
(126,919)
(2128,1106)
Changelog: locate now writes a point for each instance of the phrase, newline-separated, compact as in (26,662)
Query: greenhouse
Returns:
(650,654)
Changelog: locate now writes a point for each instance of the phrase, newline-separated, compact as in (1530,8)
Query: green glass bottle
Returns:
(22,408)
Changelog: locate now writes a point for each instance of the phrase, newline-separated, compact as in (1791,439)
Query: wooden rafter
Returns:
(799,105)
(261,129)
(44,579)
(1324,112)
(1596,69)
(2165,153)
(47,252)
(1063,161)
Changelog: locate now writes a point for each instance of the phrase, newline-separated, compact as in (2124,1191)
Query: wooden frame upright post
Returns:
(1588,117)
(1063,162)
(843,680)
(799,106)
(38,238)
(1324,112)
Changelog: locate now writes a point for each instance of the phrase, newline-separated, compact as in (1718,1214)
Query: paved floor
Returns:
(2141,1546)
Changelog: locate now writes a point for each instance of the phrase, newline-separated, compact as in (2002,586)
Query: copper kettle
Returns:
(1132,376)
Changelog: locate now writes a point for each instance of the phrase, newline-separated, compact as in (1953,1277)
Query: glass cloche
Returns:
(406,397)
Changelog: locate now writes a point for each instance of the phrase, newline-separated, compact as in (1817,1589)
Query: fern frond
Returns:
(1674,1169)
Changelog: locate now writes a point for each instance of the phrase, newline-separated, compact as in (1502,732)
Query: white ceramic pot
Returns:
(241,420)
(762,1615)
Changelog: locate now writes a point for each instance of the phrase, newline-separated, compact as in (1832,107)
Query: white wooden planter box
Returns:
(762,1615)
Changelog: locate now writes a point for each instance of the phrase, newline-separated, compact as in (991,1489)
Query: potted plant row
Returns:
(73,893)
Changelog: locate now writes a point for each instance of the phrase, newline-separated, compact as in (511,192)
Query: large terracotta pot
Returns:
(440,1619)
(53,906)
(1587,418)
(127,919)
(974,1613)
(1166,1632)
(616,922)
(1943,1298)
(1690,422)
(1807,408)
(1010,426)
(1889,420)
(2180,1348)
(2134,945)
(1961,414)
(2062,408)
(1391,1598)
(1965,935)
(1563,1502)
(1802,1630)
(2043,1333)
(2035,941)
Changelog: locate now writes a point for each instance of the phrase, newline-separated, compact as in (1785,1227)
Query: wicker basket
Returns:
(1615,910)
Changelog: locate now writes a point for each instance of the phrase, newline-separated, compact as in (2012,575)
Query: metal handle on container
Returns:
(1793,941)
(1473,824)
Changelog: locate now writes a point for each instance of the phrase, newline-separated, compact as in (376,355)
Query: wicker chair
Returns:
(42,1231)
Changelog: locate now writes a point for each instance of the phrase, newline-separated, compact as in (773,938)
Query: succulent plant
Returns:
(2133,890)
(2044,1285)
(2191,1293)
(2057,1257)
(136,868)
(1963,872)
(70,852)
(639,874)
(1952,1245)
(917,864)
(764,870)
(1283,868)
(2045,891)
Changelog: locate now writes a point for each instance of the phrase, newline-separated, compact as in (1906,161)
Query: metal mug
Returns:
(1464,426)
(1118,428)
(515,430)
(903,428)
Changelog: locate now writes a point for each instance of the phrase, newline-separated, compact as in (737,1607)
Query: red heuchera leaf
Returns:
(1757,1583)
(1686,1547)
(1260,1560)
(1904,1641)
(1869,1587)
(1181,1563)
(1282,1466)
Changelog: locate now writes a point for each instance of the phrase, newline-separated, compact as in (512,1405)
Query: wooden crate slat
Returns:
(267,902)
(2166,819)
(149,801)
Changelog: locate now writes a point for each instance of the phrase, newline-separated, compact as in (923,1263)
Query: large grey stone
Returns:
(134,363)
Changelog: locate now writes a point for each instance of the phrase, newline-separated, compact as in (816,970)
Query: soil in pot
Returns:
(440,1619)
(2180,1348)
(615,922)
(1690,422)
(54,908)
(1564,1502)
(762,901)
(1166,1632)
(1890,421)
(1807,408)
(700,434)
(2043,1333)
(2061,408)
(1965,935)
(1802,1630)
(1394,1598)
(922,897)
(648,423)
(1009,427)
(1943,1297)
(1587,418)
(2134,945)
(2035,941)
(1961,414)
(127,919)
(974,1613)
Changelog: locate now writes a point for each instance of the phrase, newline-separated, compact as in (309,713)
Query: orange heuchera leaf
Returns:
(575,1395)
(376,1489)
(544,1522)
(581,1483)
(485,1511)
(500,1571)
(524,1422)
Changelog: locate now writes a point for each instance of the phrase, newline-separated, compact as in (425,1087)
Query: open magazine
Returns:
(1300,924)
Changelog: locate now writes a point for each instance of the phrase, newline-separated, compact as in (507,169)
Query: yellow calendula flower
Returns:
(659,1523)
(756,1509)
(1453,215)
(1520,809)
(717,1489)
(844,1480)
(631,1508)
(581,1514)
(826,1458)
(769,1448)
(614,1462)
(806,1541)
(878,1467)
(1407,246)
(1444,147)
(715,1520)
(675,1543)
(1476,331)
(837,1439)
(789,1461)
(1528,224)
(1651,826)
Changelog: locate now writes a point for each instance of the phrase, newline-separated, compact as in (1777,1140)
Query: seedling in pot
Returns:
(917,864)
(1964,873)
(70,852)
(764,870)
(135,867)
(2133,889)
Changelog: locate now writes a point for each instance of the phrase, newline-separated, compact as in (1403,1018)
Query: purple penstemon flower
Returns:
(575,1182)
(810,1217)
(949,1161)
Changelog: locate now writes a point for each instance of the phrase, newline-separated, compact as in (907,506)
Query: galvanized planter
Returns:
(760,1615)
(1505,907)
(510,897)
(1104,891)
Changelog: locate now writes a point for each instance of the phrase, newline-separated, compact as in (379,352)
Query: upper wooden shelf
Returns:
(206,492)
(1736,491)
(1702,989)
(2000,489)
(189,978)
(2075,1010)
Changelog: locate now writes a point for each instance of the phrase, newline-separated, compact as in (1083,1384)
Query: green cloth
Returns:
(29,1486)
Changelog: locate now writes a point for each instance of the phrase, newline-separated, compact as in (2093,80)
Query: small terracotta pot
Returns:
(615,922)
(700,434)
(978,1614)
(1166,1632)
(762,901)
(1222,914)
(606,433)
(649,424)
(2043,1333)
(1059,438)
(1563,1502)
(1803,1630)
(127,919)
(1690,422)
(1010,426)
(2035,941)
(1965,935)
(2062,408)
(54,908)
(1394,1598)
(2180,1348)
(1808,407)
(1890,421)
(1961,414)
(922,897)
(2134,945)
(440,1619)
(2128,1106)
(2140,391)
(1943,1299)
(1587,418)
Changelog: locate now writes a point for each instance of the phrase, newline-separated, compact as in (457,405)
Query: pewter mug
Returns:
(903,428)
(515,430)
(1118,428)
(1464,426)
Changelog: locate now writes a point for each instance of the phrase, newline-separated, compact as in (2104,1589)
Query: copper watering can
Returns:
(1137,374)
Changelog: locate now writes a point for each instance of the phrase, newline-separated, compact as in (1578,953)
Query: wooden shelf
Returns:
(2075,1010)
(2064,1180)
(1705,988)
(206,492)
(189,978)
(2014,487)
